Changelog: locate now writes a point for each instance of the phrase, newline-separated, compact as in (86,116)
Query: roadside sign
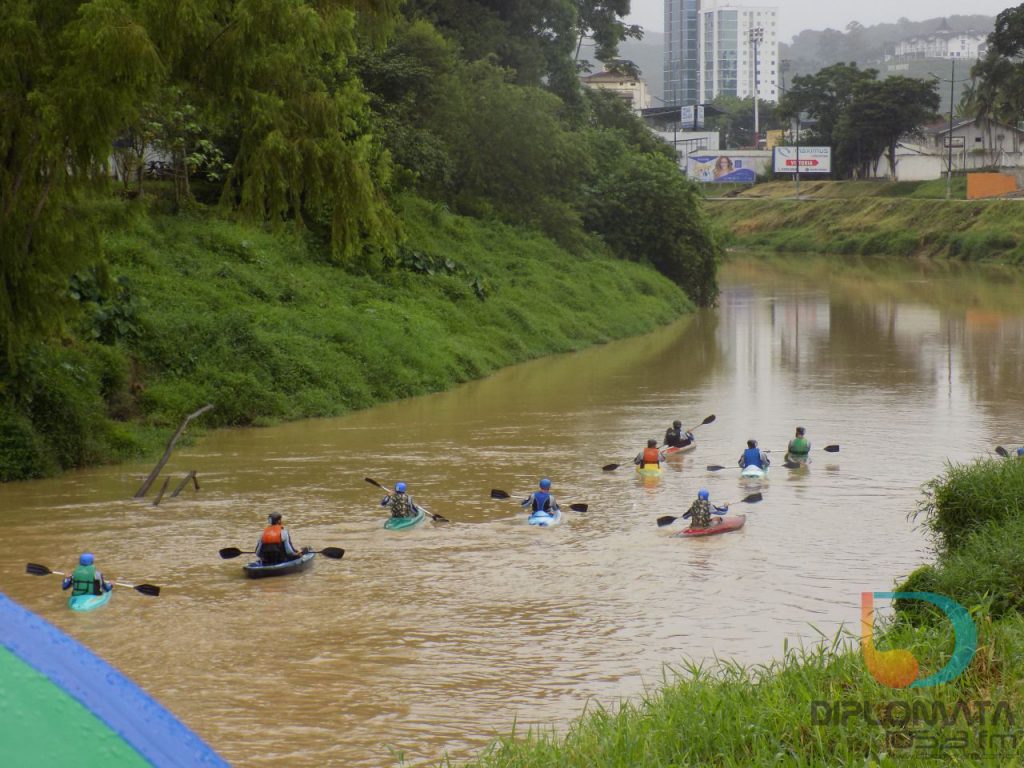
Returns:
(954,142)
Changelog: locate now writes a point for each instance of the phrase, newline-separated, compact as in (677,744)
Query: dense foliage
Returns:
(315,114)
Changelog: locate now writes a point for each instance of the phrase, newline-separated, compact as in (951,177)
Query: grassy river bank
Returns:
(821,706)
(193,309)
(910,219)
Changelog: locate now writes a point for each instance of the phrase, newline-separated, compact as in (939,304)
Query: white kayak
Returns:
(754,471)
(545,519)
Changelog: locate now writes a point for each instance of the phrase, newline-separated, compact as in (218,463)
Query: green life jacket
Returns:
(83,581)
(799,446)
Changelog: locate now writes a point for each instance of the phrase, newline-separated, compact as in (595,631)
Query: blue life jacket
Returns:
(541,500)
(752,456)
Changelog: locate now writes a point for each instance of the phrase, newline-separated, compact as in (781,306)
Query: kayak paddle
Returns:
(751,499)
(435,518)
(612,467)
(499,494)
(1002,452)
(707,420)
(41,570)
(335,553)
(715,467)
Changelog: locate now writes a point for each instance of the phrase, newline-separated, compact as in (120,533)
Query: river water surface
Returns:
(434,640)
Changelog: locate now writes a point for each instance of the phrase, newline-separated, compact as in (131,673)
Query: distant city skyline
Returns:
(798,15)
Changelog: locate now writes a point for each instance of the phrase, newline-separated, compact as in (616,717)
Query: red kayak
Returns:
(680,451)
(725,524)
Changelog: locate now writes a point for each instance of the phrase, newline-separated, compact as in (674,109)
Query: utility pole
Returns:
(756,36)
(949,136)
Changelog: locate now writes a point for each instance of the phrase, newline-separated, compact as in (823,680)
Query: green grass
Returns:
(871,224)
(261,325)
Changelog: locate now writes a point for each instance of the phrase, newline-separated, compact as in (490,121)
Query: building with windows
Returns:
(682,57)
(943,43)
(709,51)
(631,89)
(729,35)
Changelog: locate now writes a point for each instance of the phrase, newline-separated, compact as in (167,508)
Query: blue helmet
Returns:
(703,494)
(86,558)
(400,487)
(1020,451)
(545,484)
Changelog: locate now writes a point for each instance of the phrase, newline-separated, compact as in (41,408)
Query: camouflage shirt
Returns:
(700,513)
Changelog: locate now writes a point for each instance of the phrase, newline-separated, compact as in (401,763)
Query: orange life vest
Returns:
(652,456)
(272,534)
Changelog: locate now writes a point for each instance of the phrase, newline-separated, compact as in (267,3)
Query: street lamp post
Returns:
(756,36)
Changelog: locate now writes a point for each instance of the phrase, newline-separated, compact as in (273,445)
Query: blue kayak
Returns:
(545,519)
(89,602)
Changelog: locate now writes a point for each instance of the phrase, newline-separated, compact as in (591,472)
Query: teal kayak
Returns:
(89,602)
(401,523)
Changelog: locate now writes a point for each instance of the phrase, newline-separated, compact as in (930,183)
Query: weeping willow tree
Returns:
(269,76)
(70,76)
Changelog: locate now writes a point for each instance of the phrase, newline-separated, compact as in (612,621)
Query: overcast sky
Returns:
(798,15)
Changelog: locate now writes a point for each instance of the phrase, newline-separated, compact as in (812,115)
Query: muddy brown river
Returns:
(431,641)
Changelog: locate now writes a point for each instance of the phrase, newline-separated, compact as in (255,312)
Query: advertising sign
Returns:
(723,168)
(812,159)
(692,117)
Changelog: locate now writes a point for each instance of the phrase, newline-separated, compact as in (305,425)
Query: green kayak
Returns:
(401,523)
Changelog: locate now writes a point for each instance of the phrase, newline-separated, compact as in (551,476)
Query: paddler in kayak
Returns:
(700,511)
(799,448)
(85,579)
(399,502)
(649,455)
(753,456)
(677,437)
(275,545)
(542,499)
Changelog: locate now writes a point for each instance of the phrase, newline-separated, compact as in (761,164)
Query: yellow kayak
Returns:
(651,470)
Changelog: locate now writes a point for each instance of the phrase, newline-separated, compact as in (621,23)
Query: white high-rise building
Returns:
(728,38)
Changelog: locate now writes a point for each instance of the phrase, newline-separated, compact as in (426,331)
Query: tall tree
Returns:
(882,112)
(71,75)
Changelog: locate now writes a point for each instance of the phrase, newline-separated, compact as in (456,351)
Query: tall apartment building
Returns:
(682,57)
(709,51)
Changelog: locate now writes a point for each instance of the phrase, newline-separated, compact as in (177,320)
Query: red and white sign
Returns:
(811,159)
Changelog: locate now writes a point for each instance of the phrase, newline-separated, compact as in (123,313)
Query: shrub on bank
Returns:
(969,497)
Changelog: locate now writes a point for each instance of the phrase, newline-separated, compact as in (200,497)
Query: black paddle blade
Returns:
(999,449)
(610,467)
(335,553)
(752,498)
(228,552)
(714,467)
(371,481)
(578,507)
(148,589)
(832,448)
(666,520)
(439,518)
(37,570)
(709,419)
(499,494)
